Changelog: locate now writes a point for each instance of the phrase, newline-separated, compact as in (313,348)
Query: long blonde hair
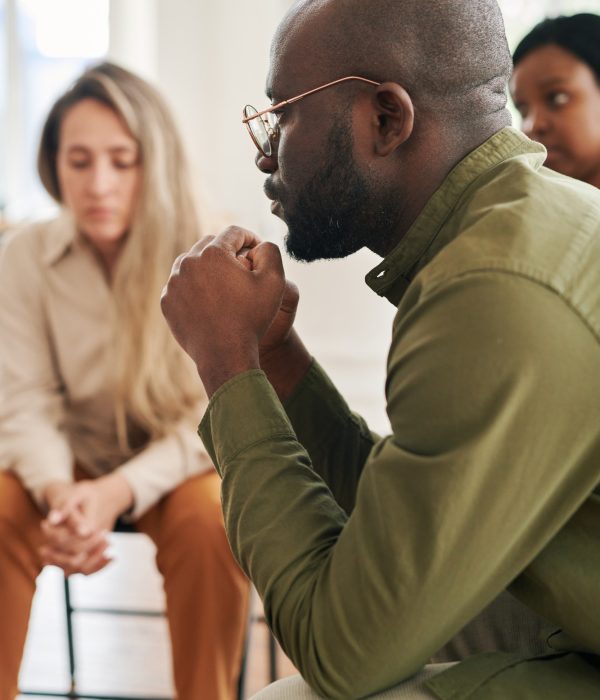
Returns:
(156,382)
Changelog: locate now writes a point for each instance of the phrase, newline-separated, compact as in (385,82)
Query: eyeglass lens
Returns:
(258,131)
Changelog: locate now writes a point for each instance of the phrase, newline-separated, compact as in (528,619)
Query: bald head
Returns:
(451,55)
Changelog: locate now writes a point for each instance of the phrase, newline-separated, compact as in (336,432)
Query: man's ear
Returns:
(395,115)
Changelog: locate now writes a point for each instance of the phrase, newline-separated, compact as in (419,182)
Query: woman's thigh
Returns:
(19,516)
(190,513)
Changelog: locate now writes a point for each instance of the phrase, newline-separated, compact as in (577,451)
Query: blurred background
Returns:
(208,58)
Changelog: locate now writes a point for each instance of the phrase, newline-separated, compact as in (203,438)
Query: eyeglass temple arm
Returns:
(281,104)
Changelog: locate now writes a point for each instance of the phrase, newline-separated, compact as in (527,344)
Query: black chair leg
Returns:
(273,675)
(272,656)
(241,685)
(73,694)
(70,640)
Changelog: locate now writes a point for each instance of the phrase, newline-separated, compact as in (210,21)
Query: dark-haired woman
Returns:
(556,88)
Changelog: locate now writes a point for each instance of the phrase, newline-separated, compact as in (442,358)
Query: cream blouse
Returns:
(56,376)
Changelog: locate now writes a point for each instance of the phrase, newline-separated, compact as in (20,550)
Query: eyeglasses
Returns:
(263,126)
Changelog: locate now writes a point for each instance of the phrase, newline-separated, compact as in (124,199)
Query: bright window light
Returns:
(54,22)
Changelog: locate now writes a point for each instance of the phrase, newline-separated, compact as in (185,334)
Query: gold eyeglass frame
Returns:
(272,130)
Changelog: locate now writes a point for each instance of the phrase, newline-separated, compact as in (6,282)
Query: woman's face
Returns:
(99,173)
(558,98)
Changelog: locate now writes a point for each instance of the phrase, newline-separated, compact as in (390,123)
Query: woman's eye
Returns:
(124,164)
(558,99)
(78,164)
(521,109)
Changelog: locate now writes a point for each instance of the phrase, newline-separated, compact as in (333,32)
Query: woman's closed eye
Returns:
(78,164)
(117,164)
(124,164)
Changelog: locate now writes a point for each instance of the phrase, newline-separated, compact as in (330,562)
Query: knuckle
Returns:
(231,230)
(199,246)
(177,264)
(185,261)
(212,252)
(274,255)
(204,241)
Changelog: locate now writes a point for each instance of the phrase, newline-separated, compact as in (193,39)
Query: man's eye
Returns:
(273,118)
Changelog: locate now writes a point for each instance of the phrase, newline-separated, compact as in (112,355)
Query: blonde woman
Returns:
(98,405)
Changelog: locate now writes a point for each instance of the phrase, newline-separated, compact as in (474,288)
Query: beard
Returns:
(340,211)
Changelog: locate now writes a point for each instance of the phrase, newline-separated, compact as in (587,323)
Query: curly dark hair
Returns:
(579,34)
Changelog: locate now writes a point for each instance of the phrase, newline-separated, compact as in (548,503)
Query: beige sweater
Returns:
(56,377)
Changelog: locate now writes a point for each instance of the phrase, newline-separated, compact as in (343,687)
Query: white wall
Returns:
(210,58)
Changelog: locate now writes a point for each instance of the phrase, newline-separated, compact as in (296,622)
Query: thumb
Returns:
(266,257)
(79,523)
(244,259)
(68,505)
(291,297)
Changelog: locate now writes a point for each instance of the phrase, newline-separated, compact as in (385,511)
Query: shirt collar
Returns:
(393,275)
(60,237)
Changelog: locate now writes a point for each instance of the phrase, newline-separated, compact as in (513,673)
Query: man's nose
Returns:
(267,164)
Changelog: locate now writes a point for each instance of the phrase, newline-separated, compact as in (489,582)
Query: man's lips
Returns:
(270,191)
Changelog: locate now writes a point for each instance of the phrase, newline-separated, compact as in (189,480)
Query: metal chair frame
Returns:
(74,694)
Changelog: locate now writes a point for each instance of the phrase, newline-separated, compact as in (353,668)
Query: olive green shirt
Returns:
(371,553)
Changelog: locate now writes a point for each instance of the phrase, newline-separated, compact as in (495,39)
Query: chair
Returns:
(71,610)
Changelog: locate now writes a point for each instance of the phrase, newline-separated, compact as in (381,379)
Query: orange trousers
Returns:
(206,591)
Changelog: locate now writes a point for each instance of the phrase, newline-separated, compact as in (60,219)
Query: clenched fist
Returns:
(220,300)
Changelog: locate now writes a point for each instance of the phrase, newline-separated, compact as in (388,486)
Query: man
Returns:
(370,554)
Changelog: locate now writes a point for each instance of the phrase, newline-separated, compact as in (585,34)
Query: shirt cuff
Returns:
(36,472)
(37,491)
(243,412)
